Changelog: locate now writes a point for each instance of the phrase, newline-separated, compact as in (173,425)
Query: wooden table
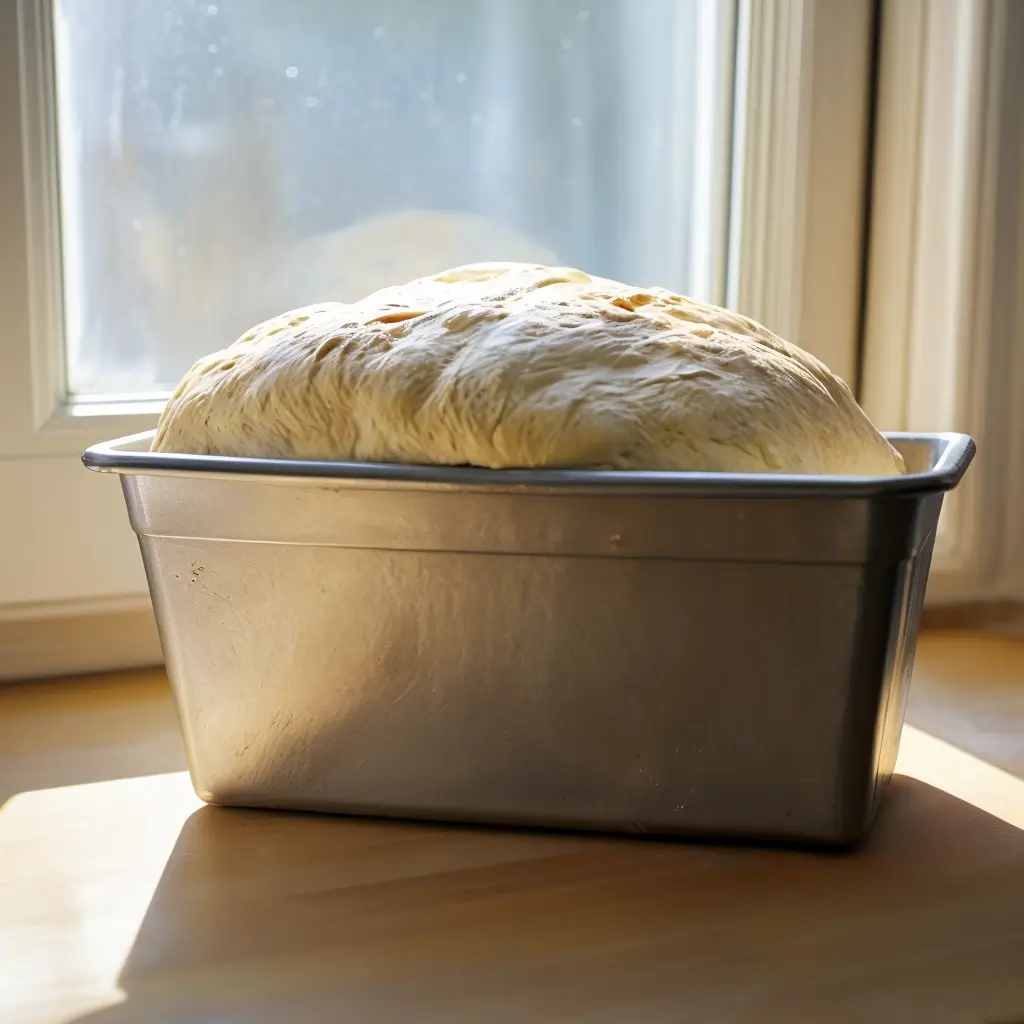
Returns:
(123,899)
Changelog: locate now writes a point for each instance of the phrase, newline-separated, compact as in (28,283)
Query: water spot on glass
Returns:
(378,32)
(577,122)
(312,101)
(583,15)
(476,117)
(461,78)
(292,71)
(137,224)
(565,44)
(180,251)
(218,71)
(212,48)
(211,9)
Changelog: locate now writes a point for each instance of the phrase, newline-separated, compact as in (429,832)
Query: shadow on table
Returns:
(264,916)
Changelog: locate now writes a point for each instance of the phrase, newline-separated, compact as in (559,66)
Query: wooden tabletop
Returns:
(123,899)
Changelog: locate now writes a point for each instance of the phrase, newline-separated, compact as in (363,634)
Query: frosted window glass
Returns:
(223,162)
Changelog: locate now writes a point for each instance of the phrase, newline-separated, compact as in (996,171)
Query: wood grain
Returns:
(123,899)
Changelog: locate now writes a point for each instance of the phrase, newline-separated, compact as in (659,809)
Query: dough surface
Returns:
(518,365)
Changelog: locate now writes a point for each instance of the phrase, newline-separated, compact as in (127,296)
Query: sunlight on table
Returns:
(79,866)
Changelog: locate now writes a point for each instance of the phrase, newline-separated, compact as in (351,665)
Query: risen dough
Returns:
(516,365)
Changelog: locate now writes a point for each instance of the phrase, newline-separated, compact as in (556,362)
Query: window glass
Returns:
(222,162)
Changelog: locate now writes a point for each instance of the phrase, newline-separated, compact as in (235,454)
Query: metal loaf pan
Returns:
(693,654)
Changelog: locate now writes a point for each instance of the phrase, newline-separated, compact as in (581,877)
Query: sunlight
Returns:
(78,868)
(962,775)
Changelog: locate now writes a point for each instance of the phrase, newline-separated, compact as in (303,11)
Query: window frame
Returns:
(800,181)
(944,327)
(793,213)
(57,424)
(801,84)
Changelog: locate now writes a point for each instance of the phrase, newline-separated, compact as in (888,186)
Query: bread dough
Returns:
(521,365)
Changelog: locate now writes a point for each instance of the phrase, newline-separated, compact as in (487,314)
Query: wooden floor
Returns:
(122,899)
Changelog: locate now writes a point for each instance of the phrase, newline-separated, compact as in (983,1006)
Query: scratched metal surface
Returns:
(582,654)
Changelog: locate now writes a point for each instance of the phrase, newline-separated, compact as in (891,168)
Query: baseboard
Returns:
(77,644)
(1003,617)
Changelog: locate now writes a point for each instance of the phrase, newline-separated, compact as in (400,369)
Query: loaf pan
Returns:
(693,654)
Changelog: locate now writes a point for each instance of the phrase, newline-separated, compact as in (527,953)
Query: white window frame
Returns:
(944,330)
(54,424)
(69,565)
(799,183)
(796,238)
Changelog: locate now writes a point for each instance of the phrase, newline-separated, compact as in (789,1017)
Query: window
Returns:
(174,172)
(222,162)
